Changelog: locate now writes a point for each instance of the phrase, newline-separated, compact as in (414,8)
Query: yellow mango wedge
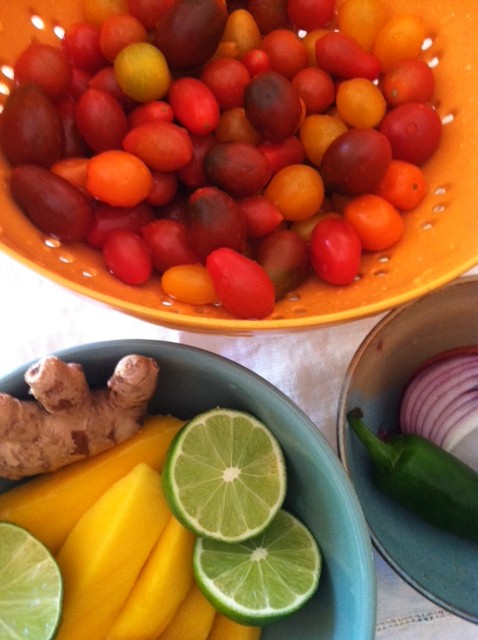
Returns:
(193,620)
(50,505)
(106,550)
(163,584)
(225,629)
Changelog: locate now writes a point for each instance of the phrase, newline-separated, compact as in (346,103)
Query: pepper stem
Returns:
(384,455)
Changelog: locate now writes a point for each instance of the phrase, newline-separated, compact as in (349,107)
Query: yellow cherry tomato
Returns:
(360,103)
(189,283)
(142,72)
(297,191)
(362,20)
(400,37)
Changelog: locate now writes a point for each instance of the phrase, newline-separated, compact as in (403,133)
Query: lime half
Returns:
(31,587)
(263,579)
(224,476)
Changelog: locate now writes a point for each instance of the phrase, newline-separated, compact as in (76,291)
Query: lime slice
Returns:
(224,476)
(31,587)
(263,579)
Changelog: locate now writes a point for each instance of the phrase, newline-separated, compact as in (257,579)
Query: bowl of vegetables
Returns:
(140,404)
(407,437)
(209,194)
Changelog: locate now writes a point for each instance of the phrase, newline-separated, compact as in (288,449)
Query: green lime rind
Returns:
(224,475)
(31,586)
(264,579)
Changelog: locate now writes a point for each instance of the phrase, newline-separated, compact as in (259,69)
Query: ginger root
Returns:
(67,421)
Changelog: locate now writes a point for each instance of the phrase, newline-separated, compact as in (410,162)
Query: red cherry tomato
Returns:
(101,120)
(82,47)
(127,256)
(335,251)
(194,105)
(310,14)
(241,284)
(168,242)
(343,57)
(409,80)
(107,218)
(414,131)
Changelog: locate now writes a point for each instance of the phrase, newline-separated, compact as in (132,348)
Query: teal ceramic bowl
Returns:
(441,566)
(192,380)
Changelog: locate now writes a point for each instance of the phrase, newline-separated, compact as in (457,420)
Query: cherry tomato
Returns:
(149,112)
(54,205)
(214,220)
(241,33)
(101,120)
(227,78)
(404,185)
(168,242)
(81,44)
(189,283)
(118,178)
(343,57)
(297,191)
(241,284)
(282,154)
(238,168)
(261,215)
(400,37)
(272,106)
(310,14)
(142,72)
(409,80)
(107,218)
(31,130)
(72,169)
(362,20)
(414,131)
(285,257)
(162,145)
(97,11)
(117,32)
(356,161)
(127,256)
(256,61)
(286,52)
(47,67)
(195,105)
(360,103)
(105,80)
(378,223)
(316,88)
(335,251)
(193,175)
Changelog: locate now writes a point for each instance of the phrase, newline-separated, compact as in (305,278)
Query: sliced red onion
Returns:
(440,403)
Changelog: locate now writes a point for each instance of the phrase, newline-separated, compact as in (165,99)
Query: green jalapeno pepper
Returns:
(426,479)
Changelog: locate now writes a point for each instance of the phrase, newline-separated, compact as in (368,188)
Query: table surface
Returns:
(39,317)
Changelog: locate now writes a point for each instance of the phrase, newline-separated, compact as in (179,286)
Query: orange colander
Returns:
(441,240)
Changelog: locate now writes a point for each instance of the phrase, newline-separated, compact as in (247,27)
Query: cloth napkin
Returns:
(38,317)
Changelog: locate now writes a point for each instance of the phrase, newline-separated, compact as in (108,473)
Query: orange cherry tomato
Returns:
(401,37)
(404,185)
(378,223)
(286,51)
(118,178)
(297,191)
(190,283)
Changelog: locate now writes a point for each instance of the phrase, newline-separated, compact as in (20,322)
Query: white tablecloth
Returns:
(38,317)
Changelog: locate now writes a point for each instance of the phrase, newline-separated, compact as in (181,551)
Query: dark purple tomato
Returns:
(54,205)
(285,257)
(272,106)
(356,161)
(31,130)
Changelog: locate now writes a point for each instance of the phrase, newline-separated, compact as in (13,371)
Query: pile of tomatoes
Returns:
(233,148)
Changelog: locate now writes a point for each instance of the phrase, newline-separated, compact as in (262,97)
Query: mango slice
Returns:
(193,619)
(225,629)
(161,587)
(50,505)
(104,553)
